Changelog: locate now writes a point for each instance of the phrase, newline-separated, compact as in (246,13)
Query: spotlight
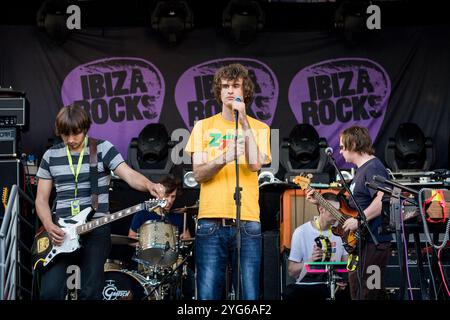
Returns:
(52,18)
(189,180)
(409,149)
(172,18)
(304,144)
(152,143)
(149,153)
(265,176)
(304,152)
(243,18)
(351,17)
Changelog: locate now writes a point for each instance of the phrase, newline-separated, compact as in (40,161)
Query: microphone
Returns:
(236,113)
(329,151)
(395,184)
(377,187)
(388,191)
(379,179)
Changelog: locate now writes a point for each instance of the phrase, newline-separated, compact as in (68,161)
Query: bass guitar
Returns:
(350,238)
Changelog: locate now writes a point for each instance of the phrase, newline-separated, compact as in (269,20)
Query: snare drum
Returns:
(111,264)
(158,243)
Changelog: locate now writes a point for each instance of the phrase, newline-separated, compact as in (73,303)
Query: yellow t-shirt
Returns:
(217,194)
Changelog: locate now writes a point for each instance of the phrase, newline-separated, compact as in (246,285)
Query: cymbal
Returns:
(187,239)
(122,240)
(192,209)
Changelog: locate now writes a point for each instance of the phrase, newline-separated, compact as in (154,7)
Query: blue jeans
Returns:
(215,246)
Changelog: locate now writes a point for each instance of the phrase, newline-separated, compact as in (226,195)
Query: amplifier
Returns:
(8,142)
(13,108)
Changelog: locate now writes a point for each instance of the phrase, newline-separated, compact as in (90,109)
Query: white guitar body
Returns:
(44,251)
(71,237)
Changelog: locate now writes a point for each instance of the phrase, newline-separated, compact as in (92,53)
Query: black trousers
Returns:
(370,256)
(91,258)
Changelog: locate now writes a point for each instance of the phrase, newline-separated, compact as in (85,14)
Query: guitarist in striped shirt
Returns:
(66,166)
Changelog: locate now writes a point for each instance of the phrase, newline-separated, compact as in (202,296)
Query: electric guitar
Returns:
(350,238)
(43,250)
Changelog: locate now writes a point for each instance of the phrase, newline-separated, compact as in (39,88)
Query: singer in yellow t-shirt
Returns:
(212,146)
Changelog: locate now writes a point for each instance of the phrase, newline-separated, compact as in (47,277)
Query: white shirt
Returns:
(302,245)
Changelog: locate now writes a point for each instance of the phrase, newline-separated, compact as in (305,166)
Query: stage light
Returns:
(52,18)
(351,17)
(243,19)
(304,144)
(149,153)
(266,176)
(304,152)
(172,18)
(152,143)
(189,180)
(409,149)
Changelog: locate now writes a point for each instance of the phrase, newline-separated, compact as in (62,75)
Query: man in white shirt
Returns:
(305,248)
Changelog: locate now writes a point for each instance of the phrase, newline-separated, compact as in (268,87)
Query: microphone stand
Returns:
(168,276)
(395,184)
(396,225)
(237,200)
(391,193)
(361,217)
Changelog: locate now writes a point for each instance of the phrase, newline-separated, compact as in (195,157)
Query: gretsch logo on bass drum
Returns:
(110,292)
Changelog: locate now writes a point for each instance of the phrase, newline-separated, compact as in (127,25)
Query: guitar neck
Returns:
(96,223)
(324,203)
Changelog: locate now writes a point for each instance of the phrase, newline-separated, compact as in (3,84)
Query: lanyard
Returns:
(320,230)
(80,160)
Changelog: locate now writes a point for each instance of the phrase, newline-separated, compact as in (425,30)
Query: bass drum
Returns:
(126,285)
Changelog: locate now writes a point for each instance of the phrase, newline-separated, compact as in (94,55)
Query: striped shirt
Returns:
(55,166)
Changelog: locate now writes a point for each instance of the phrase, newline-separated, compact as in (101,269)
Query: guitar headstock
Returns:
(152,204)
(5,197)
(303,180)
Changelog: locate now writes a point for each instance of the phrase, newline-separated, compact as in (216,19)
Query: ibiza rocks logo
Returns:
(335,94)
(195,99)
(121,96)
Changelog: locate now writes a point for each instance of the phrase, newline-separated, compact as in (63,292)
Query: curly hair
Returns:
(233,72)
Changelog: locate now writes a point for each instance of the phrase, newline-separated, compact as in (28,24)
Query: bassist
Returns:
(356,148)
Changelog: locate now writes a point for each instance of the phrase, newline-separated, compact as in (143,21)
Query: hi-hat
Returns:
(192,209)
(122,240)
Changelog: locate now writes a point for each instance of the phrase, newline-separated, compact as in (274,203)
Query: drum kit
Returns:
(161,258)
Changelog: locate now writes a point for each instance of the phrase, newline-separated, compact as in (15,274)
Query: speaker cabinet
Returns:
(8,143)
(270,268)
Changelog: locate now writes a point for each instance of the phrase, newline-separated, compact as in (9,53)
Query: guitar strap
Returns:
(93,172)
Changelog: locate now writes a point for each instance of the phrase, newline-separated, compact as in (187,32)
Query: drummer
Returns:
(171,185)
